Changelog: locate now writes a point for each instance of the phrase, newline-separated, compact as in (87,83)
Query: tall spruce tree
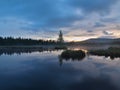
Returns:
(60,38)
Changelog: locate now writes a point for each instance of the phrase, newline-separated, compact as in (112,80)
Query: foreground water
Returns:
(44,71)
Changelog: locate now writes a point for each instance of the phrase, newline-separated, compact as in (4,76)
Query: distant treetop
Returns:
(60,38)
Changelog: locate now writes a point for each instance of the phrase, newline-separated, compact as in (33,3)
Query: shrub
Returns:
(110,52)
(71,54)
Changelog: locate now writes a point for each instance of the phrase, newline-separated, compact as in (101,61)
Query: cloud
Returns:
(109,20)
(53,13)
(107,33)
(99,6)
(98,24)
(82,35)
(49,16)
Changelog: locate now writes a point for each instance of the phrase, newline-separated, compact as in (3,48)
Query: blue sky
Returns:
(42,19)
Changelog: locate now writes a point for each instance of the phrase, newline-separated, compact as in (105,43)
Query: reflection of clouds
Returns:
(88,68)
(100,67)
(42,70)
(20,63)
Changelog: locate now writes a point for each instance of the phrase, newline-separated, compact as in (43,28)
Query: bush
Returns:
(110,52)
(71,54)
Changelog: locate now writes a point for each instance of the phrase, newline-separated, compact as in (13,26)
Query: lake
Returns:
(44,71)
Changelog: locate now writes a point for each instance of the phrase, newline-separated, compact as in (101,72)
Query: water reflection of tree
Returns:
(21,50)
(70,59)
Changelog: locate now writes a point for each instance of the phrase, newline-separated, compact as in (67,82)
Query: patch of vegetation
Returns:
(60,47)
(73,54)
(112,52)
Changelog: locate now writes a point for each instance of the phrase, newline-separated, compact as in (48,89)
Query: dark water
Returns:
(44,71)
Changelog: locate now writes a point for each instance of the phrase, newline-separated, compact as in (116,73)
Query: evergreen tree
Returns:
(60,38)
(23,41)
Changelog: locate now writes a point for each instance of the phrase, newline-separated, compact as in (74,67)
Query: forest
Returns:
(23,41)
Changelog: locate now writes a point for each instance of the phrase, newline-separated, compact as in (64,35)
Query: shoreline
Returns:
(49,47)
(29,46)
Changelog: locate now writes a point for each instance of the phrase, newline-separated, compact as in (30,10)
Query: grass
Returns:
(73,54)
(112,52)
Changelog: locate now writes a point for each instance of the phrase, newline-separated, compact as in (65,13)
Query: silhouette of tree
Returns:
(22,41)
(60,38)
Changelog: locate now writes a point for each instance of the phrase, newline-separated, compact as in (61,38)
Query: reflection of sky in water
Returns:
(41,71)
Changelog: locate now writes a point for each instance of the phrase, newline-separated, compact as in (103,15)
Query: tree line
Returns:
(23,41)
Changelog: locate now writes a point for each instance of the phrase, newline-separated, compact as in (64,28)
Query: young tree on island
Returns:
(60,38)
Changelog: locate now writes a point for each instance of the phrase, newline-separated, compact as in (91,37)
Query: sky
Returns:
(43,19)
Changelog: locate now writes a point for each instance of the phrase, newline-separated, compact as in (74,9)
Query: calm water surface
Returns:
(44,71)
